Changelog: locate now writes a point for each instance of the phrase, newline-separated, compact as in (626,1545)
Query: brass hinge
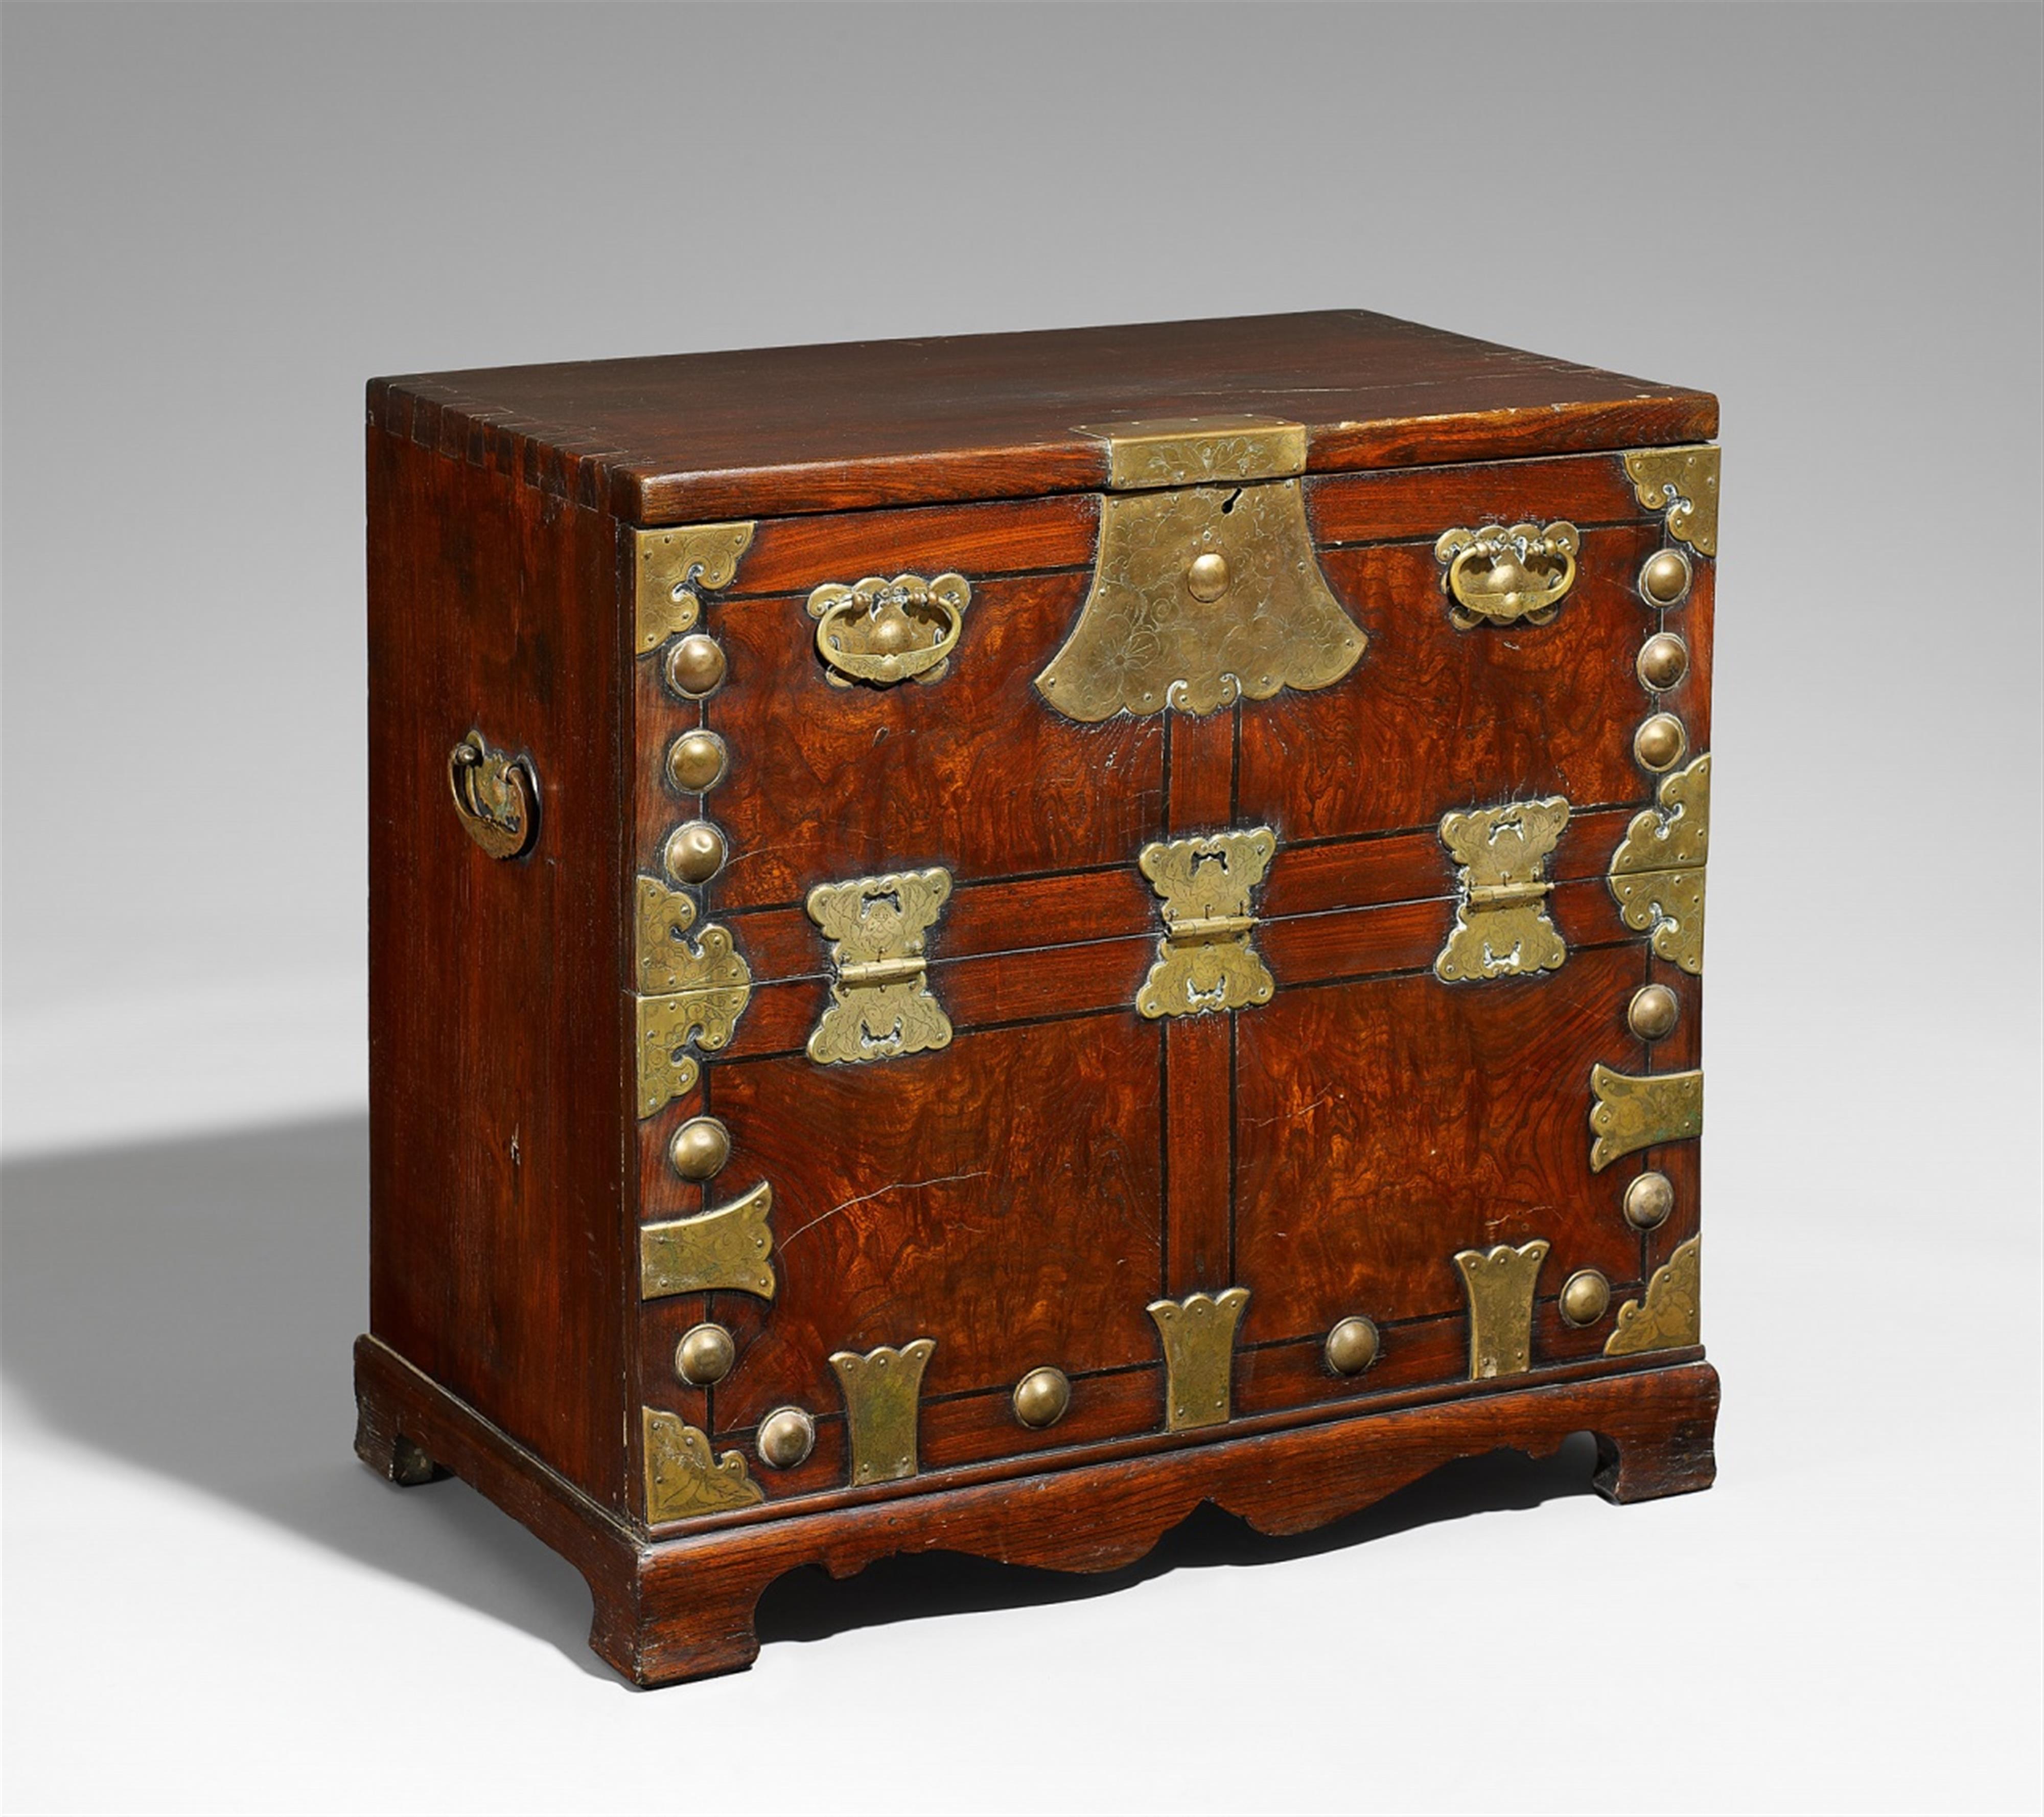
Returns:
(881,1006)
(1205,961)
(1502,927)
(1657,873)
(689,992)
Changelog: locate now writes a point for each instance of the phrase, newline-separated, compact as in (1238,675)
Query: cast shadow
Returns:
(189,1308)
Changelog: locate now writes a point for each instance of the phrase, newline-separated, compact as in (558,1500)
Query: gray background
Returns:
(219,222)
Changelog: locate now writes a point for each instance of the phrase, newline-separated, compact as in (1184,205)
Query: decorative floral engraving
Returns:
(1657,873)
(1502,927)
(1683,483)
(1205,962)
(1671,1318)
(728,1249)
(1501,1284)
(683,1478)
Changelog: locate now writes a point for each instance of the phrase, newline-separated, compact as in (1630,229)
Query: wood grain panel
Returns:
(1383,1126)
(973,772)
(796,555)
(1433,718)
(1002,1195)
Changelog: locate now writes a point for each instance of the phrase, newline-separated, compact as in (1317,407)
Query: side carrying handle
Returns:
(1498,576)
(497,797)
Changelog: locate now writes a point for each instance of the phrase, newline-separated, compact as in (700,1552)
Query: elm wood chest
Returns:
(976,942)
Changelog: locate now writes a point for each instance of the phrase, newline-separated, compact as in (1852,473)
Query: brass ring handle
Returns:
(1500,576)
(885,631)
(496,796)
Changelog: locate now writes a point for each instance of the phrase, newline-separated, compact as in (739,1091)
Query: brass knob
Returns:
(696,761)
(1586,1297)
(786,1436)
(1042,1396)
(1648,1201)
(1660,742)
(694,852)
(1664,660)
(1351,1347)
(695,665)
(1652,1012)
(1208,577)
(1664,580)
(700,1148)
(705,1354)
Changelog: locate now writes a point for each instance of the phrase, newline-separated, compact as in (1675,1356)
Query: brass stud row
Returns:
(1664,580)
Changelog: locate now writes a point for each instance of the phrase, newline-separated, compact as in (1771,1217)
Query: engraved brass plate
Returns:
(1199,1356)
(1200,450)
(1497,576)
(729,1248)
(675,568)
(885,631)
(1200,598)
(882,1398)
(1502,927)
(1631,1113)
(689,991)
(1501,1284)
(683,1477)
(1657,873)
(1671,1318)
(1684,483)
(1205,961)
(496,796)
(880,1003)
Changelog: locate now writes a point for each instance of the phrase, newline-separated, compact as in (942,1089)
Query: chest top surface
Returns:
(682,438)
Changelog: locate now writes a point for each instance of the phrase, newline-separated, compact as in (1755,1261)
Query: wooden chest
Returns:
(976,942)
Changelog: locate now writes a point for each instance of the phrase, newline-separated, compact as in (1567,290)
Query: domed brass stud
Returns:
(1351,1347)
(695,665)
(696,761)
(787,1435)
(1648,1201)
(1664,580)
(1586,1297)
(1660,742)
(699,1149)
(1652,1012)
(694,852)
(1208,577)
(1041,1397)
(1664,660)
(705,1354)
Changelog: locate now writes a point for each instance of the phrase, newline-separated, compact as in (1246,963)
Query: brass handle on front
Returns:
(886,631)
(1497,576)
(497,797)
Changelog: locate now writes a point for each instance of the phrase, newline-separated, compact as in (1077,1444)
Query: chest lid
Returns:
(688,438)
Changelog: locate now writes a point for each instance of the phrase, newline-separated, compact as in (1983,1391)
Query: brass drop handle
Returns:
(496,796)
(1500,576)
(885,631)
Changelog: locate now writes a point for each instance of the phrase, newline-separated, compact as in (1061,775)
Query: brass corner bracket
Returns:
(1671,1318)
(673,569)
(1628,1113)
(1502,928)
(684,1477)
(1657,872)
(882,1403)
(1206,590)
(881,1006)
(1198,1334)
(1205,961)
(689,991)
(1684,483)
(727,1249)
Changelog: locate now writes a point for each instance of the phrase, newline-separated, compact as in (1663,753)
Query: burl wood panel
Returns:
(971,772)
(693,437)
(496,1099)
(1001,1196)
(1382,1126)
(1433,718)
